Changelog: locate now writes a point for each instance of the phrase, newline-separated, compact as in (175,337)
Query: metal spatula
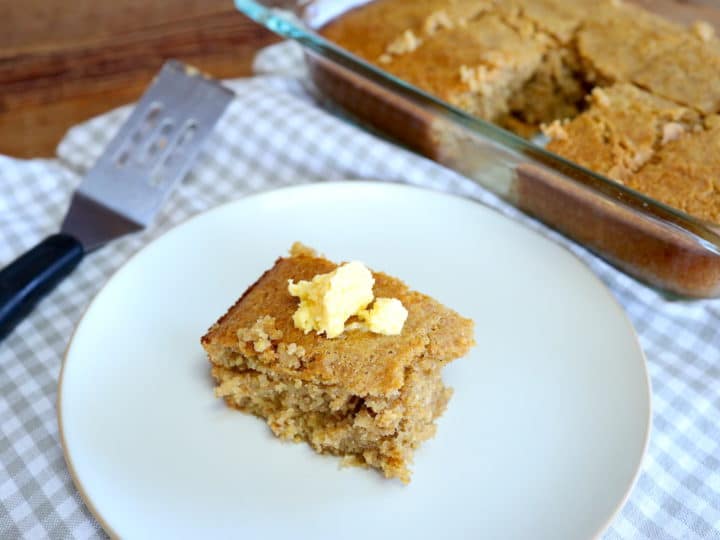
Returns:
(125,188)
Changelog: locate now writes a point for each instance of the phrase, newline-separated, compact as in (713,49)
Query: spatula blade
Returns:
(124,189)
(149,155)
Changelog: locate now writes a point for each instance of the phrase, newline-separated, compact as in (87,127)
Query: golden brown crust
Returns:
(650,144)
(206,339)
(687,74)
(621,131)
(685,173)
(490,54)
(363,362)
(617,41)
(558,18)
(626,43)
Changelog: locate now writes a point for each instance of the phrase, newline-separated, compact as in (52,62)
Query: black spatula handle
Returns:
(31,276)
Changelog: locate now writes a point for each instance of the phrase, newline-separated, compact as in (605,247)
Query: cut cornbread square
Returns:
(626,43)
(379,30)
(618,41)
(622,129)
(364,396)
(685,173)
(559,18)
(472,59)
(688,74)
(479,69)
(384,23)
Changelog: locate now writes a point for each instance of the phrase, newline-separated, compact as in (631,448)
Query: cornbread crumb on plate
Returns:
(367,397)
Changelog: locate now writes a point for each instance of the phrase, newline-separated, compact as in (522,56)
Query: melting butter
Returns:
(329,300)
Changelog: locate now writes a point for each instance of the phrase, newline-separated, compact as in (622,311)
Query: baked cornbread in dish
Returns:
(623,129)
(616,88)
(502,61)
(368,397)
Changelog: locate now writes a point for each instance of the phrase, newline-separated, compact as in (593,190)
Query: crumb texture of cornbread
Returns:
(622,130)
(611,84)
(369,397)
(685,173)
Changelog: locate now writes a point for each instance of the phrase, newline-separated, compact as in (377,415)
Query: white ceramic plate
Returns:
(542,439)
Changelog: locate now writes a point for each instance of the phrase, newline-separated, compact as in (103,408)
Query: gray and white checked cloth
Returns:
(276,134)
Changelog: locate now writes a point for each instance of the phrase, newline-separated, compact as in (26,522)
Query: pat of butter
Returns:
(387,316)
(329,300)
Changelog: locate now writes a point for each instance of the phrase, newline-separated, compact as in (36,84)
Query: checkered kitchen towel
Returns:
(274,135)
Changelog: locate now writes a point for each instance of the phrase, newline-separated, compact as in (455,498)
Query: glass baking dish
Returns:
(659,245)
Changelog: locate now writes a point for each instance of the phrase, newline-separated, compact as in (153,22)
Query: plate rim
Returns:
(364,184)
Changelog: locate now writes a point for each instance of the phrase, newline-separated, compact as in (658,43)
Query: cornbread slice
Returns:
(498,59)
(368,397)
(379,30)
(688,74)
(559,18)
(621,131)
(626,43)
(685,173)
(616,41)
(457,51)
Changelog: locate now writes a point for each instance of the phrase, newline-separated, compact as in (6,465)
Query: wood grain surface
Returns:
(62,62)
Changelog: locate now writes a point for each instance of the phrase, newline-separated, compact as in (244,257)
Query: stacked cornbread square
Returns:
(369,397)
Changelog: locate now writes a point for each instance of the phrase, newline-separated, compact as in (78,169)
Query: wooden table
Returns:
(62,62)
